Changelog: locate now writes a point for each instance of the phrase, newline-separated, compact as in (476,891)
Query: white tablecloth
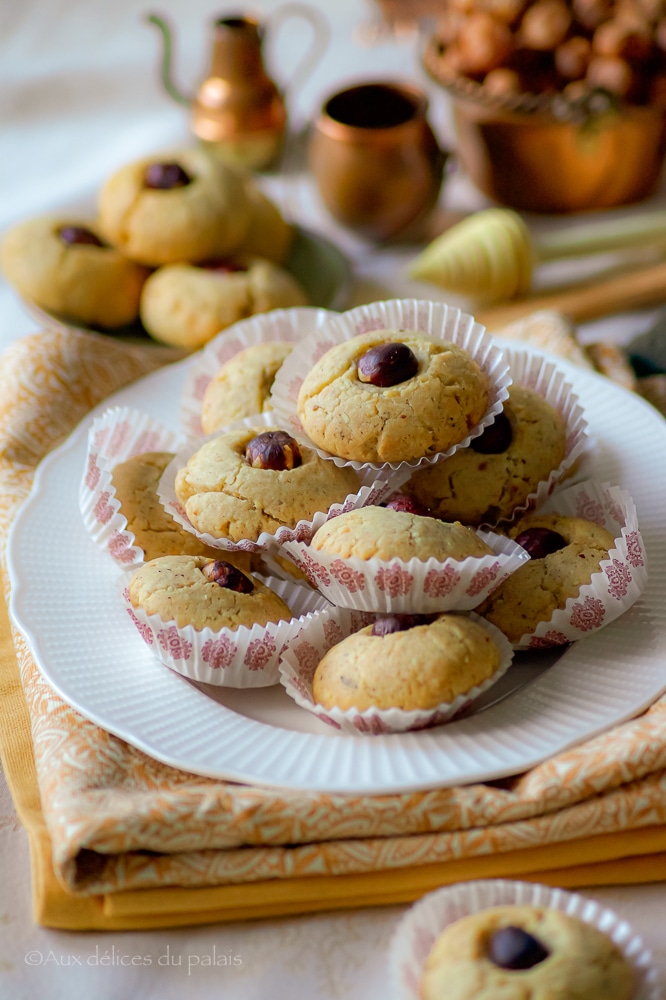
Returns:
(79,96)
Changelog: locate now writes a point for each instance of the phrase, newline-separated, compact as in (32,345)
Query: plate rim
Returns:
(356,784)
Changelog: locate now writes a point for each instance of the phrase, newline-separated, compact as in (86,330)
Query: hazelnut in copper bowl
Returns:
(558,105)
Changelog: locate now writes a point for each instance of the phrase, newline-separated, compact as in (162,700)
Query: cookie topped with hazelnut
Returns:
(392,396)
(252,480)
(204,593)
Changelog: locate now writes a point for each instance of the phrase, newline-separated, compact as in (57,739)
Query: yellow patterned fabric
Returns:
(119,840)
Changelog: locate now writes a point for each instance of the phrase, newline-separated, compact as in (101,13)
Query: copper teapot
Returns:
(238,109)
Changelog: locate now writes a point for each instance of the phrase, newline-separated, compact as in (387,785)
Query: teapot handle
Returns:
(167,80)
(320,38)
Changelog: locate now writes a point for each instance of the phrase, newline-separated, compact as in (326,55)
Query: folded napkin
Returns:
(120,841)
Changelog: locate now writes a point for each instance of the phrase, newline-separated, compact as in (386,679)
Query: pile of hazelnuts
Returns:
(554,47)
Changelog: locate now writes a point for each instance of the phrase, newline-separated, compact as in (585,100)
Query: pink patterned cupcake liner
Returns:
(435,319)
(372,490)
(291,325)
(413,586)
(426,920)
(238,658)
(119,434)
(621,578)
(300,660)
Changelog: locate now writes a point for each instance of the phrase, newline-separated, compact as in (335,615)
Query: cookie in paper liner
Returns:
(426,920)
(242,657)
(307,649)
(435,323)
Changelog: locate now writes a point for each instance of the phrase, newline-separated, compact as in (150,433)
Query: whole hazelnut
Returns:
(591,13)
(616,38)
(573,57)
(611,73)
(545,25)
(496,438)
(78,235)
(540,542)
(226,575)
(484,43)
(502,82)
(387,364)
(274,450)
(387,624)
(165,176)
(402,502)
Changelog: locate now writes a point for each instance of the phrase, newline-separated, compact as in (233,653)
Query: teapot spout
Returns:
(167,81)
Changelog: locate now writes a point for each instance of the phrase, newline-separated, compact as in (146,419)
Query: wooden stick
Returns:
(623,292)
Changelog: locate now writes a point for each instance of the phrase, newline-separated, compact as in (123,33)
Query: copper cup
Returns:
(376,161)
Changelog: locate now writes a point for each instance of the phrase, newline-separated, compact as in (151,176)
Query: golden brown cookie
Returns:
(268,235)
(204,593)
(181,206)
(227,496)
(485,482)
(419,667)
(135,482)
(242,386)
(553,574)
(550,956)
(64,266)
(392,396)
(379,532)
(186,305)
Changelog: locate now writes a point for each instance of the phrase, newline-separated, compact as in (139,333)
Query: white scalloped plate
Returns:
(64,601)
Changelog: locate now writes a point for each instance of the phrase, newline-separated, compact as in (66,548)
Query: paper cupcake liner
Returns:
(620,579)
(427,919)
(373,490)
(300,660)
(119,434)
(544,378)
(238,658)
(436,320)
(413,586)
(279,325)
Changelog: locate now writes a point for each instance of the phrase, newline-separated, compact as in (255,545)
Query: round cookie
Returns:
(268,235)
(580,962)
(135,482)
(485,482)
(379,532)
(419,667)
(431,403)
(539,587)
(184,589)
(186,305)
(182,206)
(64,266)
(242,386)
(226,496)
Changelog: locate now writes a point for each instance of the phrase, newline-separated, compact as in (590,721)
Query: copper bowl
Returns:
(545,154)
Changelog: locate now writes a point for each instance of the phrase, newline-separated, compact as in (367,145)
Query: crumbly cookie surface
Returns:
(539,587)
(379,532)
(203,219)
(176,589)
(242,386)
(480,488)
(135,482)
(427,413)
(582,962)
(226,497)
(186,306)
(421,667)
(94,285)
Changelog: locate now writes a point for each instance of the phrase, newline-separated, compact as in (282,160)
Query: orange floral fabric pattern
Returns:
(107,804)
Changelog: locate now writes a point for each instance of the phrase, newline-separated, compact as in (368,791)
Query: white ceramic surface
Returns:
(91,654)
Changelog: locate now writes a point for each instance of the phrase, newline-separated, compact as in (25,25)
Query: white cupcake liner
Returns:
(238,658)
(279,325)
(544,378)
(412,586)
(299,662)
(373,490)
(426,920)
(620,579)
(119,434)
(434,319)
